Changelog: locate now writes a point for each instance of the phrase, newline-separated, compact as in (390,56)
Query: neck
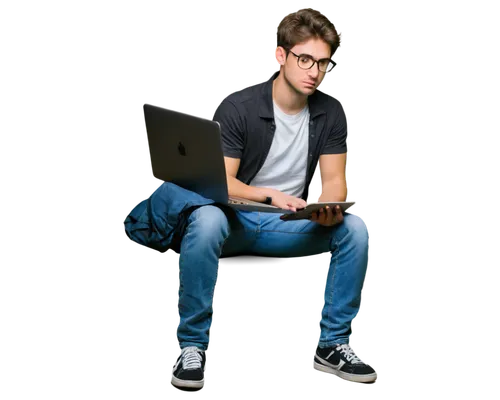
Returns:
(286,97)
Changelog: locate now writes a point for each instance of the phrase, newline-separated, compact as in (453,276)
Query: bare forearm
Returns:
(237,188)
(335,191)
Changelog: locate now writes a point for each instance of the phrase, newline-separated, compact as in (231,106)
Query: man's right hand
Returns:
(285,201)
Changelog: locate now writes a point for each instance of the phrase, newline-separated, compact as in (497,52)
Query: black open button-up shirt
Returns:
(247,129)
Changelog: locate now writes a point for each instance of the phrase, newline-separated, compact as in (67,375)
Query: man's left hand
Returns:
(328,216)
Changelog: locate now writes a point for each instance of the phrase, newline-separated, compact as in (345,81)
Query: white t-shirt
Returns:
(286,164)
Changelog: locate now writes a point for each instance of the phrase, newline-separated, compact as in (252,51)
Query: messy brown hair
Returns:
(304,25)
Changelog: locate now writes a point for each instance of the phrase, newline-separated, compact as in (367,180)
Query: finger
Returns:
(336,216)
(299,203)
(321,216)
(329,216)
(339,216)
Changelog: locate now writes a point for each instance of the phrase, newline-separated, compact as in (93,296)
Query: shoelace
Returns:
(349,354)
(191,358)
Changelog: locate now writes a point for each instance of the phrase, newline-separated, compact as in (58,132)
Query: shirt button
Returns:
(312,135)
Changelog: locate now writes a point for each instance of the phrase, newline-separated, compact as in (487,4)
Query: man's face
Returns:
(305,81)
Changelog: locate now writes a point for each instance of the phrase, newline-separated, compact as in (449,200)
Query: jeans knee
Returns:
(209,222)
(356,229)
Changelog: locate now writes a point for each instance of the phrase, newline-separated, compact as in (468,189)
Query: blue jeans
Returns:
(212,233)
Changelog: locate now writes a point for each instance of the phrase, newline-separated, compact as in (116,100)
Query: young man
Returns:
(273,136)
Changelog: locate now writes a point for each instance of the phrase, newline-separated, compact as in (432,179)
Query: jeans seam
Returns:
(335,262)
(293,233)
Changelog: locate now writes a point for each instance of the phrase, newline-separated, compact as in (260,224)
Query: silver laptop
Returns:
(187,151)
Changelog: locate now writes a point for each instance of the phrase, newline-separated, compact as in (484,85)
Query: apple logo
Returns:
(182,149)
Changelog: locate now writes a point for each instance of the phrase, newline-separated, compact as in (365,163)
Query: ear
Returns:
(281,55)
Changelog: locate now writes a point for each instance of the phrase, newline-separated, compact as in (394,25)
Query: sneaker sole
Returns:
(187,385)
(344,375)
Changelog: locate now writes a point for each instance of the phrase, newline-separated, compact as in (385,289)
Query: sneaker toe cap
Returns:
(191,375)
(358,369)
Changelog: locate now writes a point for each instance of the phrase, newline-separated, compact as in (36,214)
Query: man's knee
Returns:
(356,229)
(209,221)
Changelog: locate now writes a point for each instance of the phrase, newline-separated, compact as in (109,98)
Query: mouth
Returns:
(310,84)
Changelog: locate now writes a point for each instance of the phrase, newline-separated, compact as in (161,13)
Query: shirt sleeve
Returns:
(232,133)
(336,142)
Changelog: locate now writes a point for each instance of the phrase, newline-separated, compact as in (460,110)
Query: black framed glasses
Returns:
(305,61)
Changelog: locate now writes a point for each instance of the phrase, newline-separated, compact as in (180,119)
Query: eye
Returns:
(304,59)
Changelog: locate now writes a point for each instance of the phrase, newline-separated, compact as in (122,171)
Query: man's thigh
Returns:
(278,238)
(243,226)
(266,234)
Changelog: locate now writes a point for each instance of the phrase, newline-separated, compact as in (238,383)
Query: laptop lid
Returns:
(187,151)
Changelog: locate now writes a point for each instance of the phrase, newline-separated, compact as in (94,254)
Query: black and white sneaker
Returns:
(188,370)
(340,360)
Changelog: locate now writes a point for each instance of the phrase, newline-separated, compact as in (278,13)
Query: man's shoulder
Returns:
(247,95)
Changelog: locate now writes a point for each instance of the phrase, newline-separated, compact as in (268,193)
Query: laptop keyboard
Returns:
(237,202)
(248,202)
